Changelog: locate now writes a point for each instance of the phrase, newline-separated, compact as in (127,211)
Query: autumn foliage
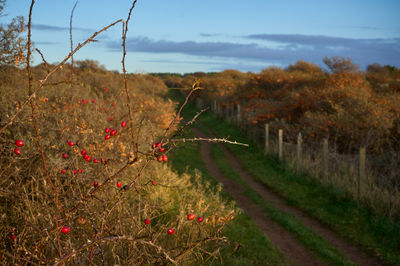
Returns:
(351,108)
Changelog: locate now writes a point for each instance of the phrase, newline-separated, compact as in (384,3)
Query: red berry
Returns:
(162,149)
(147,221)
(160,158)
(63,171)
(158,144)
(88,159)
(65,230)
(171,231)
(13,236)
(70,143)
(64,155)
(19,143)
(85,156)
(154,183)
(164,157)
(83,152)
(75,172)
(107,137)
(93,100)
(17,151)
(119,184)
(113,132)
(123,124)
(95,160)
(107,130)
(95,184)
(103,160)
(191,216)
(200,219)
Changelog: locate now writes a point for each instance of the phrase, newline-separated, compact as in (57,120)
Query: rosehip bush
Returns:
(68,209)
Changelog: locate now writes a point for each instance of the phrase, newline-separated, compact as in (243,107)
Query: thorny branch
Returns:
(195,87)
(128,100)
(44,60)
(179,132)
(38,137)
(71,42)
(209,140)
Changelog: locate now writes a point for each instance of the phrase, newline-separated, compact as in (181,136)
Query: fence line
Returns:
(349,172)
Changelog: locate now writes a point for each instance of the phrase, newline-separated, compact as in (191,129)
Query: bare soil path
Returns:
(293,250)
(284,241)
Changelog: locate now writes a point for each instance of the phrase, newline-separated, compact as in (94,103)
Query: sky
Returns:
(213,35)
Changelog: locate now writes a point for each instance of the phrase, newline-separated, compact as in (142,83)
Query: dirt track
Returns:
(294,251)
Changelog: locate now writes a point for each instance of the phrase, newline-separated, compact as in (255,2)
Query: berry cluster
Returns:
(19,143)
(161,157)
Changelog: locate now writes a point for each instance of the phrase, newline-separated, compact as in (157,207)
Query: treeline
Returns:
(352,108)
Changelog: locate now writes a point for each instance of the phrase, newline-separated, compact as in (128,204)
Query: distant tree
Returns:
(12,43)
(90,64)
(338,64)
(305,67)
(375,67)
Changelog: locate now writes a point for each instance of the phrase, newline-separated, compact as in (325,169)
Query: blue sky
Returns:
(213,35)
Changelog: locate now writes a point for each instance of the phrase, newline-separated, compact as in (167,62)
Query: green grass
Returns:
(255,248)
(313,241)
(378,234)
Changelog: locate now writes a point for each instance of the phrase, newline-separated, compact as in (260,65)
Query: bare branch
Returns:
(209,140)
(128,100)
(71,42)
(195,87)
(44,60)
(37,133)
(179,132)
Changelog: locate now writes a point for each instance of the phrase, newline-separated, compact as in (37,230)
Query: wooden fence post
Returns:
(238,118)
(325,158)
(280,133)
(361,175)
(299,153)
(266,150)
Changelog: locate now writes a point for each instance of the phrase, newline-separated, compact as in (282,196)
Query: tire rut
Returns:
(295,252)
(353,252)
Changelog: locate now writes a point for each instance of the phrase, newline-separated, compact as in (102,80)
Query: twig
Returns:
(209,140)
(104,239)
(197,243)
(44,60)
(160,249)
(195,87)
(128,100)
(179,132)
(71,42)
(18,258)
(35,124)
(41,233)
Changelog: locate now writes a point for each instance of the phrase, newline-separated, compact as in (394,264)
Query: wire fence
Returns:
(372,180)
